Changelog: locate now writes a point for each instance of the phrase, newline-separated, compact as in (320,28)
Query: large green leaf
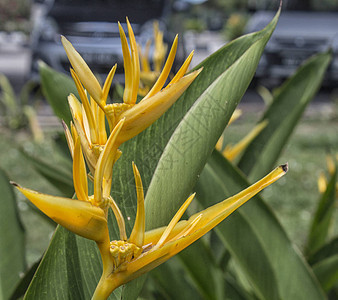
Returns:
(327,272)
(323,217)
(12,246)
(194,139)
(200,265)
(283,115)
(329,249)
(56,87)
(146,149)
(255,238)
(171,275)
(24,282)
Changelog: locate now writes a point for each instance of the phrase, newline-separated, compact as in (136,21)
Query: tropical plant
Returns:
(249,256)
(15,111)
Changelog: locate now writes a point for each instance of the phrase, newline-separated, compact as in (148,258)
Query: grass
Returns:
(293,198)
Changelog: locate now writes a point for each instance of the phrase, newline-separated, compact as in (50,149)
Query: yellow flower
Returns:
(86,216)
(138,116)
(322,181)
(89,122)
(148,76)
(231,152)
(126,259)
(146,250)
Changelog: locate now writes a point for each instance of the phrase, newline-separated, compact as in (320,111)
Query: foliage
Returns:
(249,256)
(15,111)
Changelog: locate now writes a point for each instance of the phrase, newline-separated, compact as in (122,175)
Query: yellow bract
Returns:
(138,116)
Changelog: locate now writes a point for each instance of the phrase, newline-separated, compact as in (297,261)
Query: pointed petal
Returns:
(69,138)
(101,126)
(75,108)
(160,48)
(90,156)
(82,70)
(219,144)
(80,173)
(174,221)
(127,66)
(137,234)
(109,148)
(322,183)
(80,217)
(165,72)
(189,228)
(146,112)
(135,64)
(213,215)
(236,114)
(119,219)
(231,152)
(86,126)
(86,106)
(331,164)
(144,57)
(107,85)
(182,70)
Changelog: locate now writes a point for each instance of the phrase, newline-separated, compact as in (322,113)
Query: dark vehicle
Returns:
(91,26)
(298,35)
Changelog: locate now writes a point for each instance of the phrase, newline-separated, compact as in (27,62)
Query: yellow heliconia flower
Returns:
(126,259)
(235,115)
(89,122)
(148,76)
(146,250)
(231,152)
(86,216)
(138,116)
(322,181)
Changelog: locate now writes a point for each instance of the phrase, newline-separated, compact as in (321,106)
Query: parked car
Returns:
(298,35)
(91,26)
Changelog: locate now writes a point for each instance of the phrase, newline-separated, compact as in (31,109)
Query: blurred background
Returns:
(30,32)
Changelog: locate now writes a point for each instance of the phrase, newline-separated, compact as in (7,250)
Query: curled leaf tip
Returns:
(14,184)
(285,167)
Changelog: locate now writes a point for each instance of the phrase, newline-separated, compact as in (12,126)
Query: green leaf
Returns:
(200,265)
(327,250)
(146,149)
(60,177)
(12,244)
(327,272)
(56,87)
(255,238)
(8,97)
(323,217)
(171,280)
(283,115)
(195,137)
(23,284)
